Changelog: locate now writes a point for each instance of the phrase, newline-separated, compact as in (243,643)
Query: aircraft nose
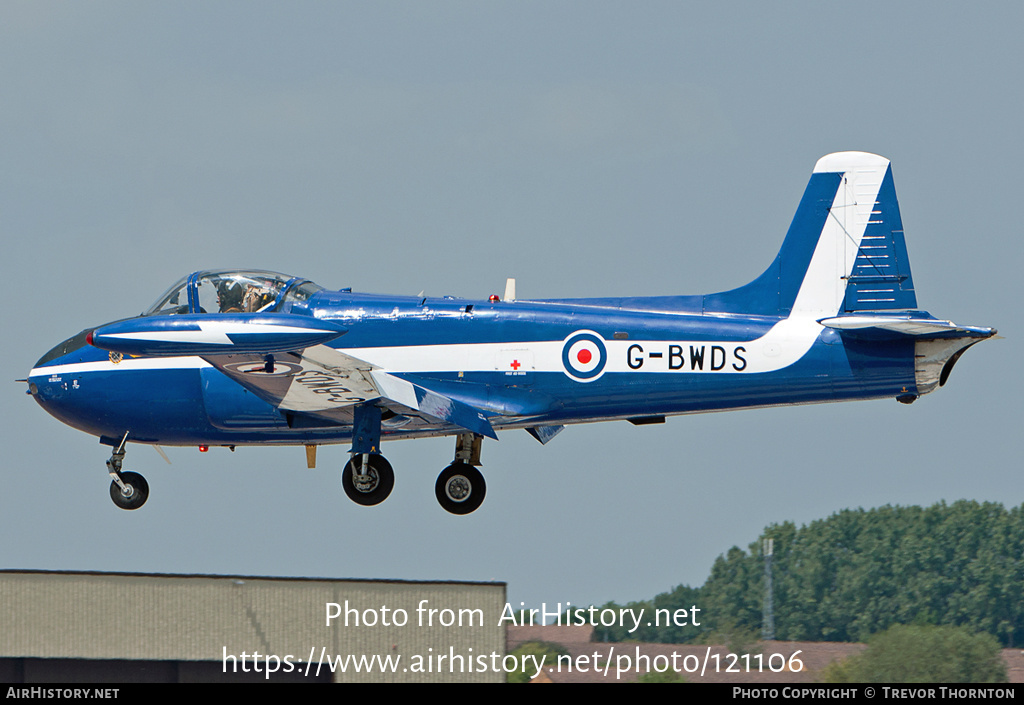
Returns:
(50,387)
(56,384)
(50,391)
(61,384)
(66,347)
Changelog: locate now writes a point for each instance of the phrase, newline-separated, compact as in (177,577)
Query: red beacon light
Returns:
(203,448)
(494,298)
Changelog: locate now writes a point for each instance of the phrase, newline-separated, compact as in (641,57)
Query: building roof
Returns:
(202,617)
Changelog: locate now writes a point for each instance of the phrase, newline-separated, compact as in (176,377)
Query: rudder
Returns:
(880,278)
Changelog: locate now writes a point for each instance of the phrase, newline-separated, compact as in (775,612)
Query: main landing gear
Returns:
(460,488)
(368,478)
(129,490)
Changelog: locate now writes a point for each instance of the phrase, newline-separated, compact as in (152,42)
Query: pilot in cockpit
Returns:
(230,295)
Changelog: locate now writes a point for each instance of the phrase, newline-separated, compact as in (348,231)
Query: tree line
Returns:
(858,573)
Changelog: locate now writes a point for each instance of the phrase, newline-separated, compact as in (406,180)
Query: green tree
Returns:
(861,571)
(660,623)
(666,631)
(537,649)
(923,654)
(619,631)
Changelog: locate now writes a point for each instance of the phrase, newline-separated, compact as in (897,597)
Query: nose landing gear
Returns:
(129,490)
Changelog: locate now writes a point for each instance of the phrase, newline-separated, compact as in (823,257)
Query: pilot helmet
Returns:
(230,294)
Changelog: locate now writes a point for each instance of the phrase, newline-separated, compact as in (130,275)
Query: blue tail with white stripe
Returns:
(844,251)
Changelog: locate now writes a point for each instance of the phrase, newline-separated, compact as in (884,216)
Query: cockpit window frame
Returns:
(287,288)
(164,300)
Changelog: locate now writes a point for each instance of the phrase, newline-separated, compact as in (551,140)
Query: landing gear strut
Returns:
(367,478)
(129,490)
(460,488)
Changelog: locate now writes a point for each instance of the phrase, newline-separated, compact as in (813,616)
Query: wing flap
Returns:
(433,404)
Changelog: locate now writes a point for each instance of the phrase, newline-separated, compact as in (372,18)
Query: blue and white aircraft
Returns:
(233,358)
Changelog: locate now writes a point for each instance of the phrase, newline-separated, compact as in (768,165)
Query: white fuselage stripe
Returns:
(212,333)
(786,342)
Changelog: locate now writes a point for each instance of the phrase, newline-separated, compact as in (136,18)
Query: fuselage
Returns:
(528,363)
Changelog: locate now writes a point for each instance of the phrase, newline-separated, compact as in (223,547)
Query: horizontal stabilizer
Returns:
(907,325)
(202,334)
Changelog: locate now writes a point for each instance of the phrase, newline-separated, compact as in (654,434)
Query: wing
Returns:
(325,383)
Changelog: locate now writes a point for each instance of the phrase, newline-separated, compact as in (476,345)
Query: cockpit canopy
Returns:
(233,291)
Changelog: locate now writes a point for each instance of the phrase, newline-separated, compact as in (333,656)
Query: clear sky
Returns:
(585,148)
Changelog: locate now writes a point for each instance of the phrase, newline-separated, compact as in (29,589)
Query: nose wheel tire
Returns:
(460,488)
(134,494)
(370,486)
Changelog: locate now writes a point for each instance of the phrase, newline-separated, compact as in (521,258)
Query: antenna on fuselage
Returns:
(510,289)
(162,453)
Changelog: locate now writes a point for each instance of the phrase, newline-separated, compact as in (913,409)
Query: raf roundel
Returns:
(584,356)
(278,369)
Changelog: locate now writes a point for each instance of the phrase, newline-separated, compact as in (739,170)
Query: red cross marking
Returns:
(516,364)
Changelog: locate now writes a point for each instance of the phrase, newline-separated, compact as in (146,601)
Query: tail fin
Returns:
(844,251)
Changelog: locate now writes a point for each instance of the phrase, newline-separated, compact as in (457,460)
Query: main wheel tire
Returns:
(135,494)
(382,481)
(460,488)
